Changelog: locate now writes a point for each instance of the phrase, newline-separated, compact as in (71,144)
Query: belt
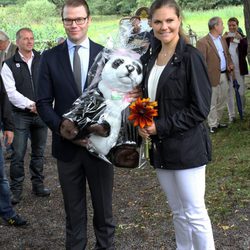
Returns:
(224,71)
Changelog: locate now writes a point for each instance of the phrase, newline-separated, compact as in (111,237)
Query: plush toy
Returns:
(97,114)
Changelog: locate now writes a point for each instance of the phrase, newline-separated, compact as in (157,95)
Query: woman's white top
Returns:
(153,80)
(233,50)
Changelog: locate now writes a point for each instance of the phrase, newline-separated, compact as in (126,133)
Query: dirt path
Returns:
(140,209)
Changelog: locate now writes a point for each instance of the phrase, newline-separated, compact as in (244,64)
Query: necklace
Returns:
(164,54)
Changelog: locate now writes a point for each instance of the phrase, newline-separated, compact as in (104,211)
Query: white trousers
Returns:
(185,190)
(218,101)
(231,94)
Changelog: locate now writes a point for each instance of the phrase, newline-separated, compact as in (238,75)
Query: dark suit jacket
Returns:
(57,90)
(212,58)
(5,109)
(184,97)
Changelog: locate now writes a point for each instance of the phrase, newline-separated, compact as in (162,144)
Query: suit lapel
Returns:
(211,43)
(225,48)
(67,69)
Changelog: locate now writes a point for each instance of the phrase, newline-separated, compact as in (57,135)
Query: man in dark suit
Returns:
(7,50)
(59,84)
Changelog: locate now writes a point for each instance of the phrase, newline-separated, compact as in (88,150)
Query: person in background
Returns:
(7,50)
(176,78)
(219,63)
(60,40)
(139,41)
(237,44)
(19,75)
(6,210)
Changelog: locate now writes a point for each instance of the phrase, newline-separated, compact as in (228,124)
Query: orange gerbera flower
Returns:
(142,112)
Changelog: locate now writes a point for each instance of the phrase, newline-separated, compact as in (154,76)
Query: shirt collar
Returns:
(214,38)
(84,44)
(23,57)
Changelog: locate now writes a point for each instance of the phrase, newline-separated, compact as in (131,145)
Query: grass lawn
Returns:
(228,175)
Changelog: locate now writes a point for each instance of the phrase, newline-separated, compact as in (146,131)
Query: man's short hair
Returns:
(3,36)
(18,34)
(76,3)
(213,21)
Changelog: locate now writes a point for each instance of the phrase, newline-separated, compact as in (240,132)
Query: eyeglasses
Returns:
(78,21)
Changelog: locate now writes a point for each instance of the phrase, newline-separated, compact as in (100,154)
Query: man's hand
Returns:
(32,108)
(68,129)
(102,129)
(8,137)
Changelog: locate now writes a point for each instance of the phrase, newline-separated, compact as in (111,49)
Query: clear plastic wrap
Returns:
(116,71)
(105,101)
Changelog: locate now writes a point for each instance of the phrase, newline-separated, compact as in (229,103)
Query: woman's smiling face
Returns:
(166,24)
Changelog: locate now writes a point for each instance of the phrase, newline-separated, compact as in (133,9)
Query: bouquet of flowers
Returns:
(142,112)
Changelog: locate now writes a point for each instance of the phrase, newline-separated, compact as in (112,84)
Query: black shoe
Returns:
(41,191)
(222,125)
(15,197)
(16,221)
(213,130)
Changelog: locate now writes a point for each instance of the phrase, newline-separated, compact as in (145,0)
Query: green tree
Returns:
(207,4)
(126,7)
(38,9)
(7,2)
(57,3)
(103,7)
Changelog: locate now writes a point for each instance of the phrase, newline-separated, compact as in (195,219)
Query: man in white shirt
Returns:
(219,64)
(19,75)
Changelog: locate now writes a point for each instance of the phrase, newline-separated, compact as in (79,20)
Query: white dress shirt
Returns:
(84,57)
(219,47)
(15,97)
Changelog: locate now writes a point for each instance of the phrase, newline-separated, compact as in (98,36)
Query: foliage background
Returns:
(43,18)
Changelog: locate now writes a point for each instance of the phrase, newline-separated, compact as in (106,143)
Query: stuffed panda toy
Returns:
(108,99)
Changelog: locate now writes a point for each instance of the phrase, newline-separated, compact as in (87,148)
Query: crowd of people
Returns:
(192,87)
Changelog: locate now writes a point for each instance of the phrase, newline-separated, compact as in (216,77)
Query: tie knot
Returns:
(77,47)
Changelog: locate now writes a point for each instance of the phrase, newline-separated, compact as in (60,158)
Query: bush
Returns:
(38,10)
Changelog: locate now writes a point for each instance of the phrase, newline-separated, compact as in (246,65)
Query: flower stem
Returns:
(148,145)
